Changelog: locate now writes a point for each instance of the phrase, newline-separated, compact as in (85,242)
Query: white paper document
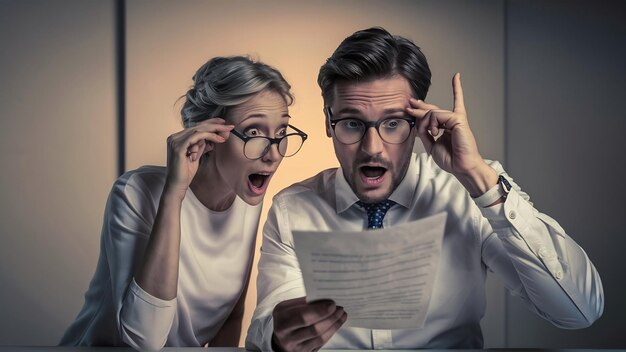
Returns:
(383,278)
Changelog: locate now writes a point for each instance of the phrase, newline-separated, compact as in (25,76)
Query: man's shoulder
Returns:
(318,184)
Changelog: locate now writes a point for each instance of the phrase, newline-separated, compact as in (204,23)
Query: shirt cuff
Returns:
(145,320)
(489,197)
(150,299)
(260,336)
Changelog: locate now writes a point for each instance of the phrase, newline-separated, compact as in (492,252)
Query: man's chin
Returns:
(373,195)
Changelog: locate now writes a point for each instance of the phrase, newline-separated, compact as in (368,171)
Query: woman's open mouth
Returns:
(258,182)
(372,175)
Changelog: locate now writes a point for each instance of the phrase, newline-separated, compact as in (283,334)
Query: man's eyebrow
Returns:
(349,110)
(393,111)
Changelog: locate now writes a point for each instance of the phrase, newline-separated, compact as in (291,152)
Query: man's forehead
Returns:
(394,90)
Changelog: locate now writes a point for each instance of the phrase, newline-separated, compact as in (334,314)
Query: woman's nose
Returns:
(272,153)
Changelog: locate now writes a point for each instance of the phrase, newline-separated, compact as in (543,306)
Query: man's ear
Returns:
(327,120)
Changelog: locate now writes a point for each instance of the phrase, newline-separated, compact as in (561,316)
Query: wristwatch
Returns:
(498,191)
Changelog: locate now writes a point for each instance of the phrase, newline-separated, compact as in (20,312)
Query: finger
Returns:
(221,130)
(201,136)
(317,329)
(319,341)
(193,150)
(420,104)
(204,126)
(457,90)
(211,127)
(442,119)
(433,125)
(185,147)
(180,139)
(417,113)
(208,146)
(224,134)
(181,134)
(214,120)
(308,314)
(433,121)
(281,313)
(290,303)
(197,150)
(422,132)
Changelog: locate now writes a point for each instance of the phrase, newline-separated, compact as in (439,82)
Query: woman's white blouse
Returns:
(216,251)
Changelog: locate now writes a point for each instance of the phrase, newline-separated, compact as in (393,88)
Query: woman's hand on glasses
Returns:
(185,148)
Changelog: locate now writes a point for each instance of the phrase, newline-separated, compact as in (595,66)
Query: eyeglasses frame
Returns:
(276,141)
(368,125)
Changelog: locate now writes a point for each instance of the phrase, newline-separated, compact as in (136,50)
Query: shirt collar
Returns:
(403,194)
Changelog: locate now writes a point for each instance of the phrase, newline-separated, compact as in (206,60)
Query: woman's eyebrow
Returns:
(256,115)
(260,116)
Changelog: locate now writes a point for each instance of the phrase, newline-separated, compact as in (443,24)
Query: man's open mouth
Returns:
(372,175)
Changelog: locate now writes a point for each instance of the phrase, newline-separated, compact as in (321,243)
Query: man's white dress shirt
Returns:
(529,251)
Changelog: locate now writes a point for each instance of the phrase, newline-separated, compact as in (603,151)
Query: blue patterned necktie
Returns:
(376,212)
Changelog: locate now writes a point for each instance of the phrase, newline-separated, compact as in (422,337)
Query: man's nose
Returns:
(272,154)
(371,143)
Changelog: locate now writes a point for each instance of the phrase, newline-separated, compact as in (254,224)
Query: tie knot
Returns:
(376,212)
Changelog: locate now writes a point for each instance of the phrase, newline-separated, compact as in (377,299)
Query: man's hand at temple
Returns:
(447,137)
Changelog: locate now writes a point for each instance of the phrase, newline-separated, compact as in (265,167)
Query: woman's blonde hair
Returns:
(225,82)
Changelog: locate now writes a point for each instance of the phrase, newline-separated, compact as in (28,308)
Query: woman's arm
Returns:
(158,274)
(149,306)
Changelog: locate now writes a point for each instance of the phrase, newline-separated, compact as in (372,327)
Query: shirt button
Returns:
(512,214)
(558,275)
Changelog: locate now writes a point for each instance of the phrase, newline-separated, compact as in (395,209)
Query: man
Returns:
(374,86)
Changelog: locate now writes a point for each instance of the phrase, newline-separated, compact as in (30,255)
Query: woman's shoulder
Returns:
(134,198)
(146,181)
(146,174)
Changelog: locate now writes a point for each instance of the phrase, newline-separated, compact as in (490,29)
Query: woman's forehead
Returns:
(266,105)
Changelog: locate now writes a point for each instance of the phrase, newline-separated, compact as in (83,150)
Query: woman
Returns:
(178,242)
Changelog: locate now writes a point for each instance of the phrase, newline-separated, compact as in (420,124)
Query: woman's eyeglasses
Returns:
(257,146)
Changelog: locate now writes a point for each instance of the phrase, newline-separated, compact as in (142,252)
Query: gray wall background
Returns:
(565,123)
(544,90)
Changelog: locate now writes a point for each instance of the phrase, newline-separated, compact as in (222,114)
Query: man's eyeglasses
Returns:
(349,130)
(257,146)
